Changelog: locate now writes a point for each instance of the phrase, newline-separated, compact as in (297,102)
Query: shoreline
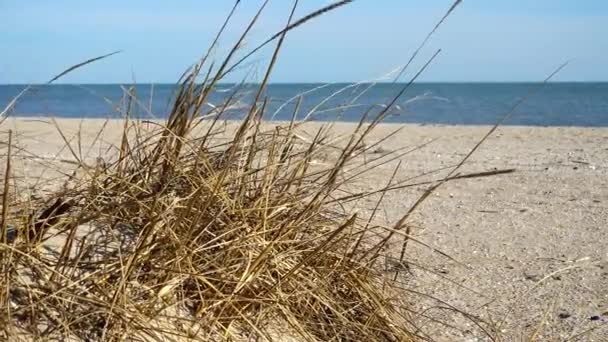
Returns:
(35,118)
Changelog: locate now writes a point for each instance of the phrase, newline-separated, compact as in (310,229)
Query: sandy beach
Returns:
(527,250)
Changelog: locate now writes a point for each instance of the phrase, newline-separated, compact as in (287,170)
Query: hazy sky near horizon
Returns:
(483,40)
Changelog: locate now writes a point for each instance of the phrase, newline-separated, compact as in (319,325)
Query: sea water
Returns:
(551,104)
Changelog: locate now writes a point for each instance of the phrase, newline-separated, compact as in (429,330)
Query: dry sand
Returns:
(528,250)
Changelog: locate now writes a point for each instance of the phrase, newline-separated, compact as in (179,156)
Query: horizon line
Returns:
(302,83)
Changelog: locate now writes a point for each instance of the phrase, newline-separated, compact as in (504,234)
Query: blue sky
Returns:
(484,40)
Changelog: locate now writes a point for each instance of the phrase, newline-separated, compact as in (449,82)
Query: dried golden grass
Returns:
(229,238)
(181,236)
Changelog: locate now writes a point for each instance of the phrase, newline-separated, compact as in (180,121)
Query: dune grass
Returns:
(183,236)
(180,235)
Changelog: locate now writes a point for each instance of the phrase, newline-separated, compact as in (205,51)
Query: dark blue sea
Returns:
(556,104)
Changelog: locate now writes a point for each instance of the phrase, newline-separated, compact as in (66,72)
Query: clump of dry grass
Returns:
(182,235)
(185,235)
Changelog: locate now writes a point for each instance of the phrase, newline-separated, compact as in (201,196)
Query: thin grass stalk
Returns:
(6,186)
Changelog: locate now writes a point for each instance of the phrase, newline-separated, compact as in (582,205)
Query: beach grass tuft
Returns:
(198,231)
(193,230)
